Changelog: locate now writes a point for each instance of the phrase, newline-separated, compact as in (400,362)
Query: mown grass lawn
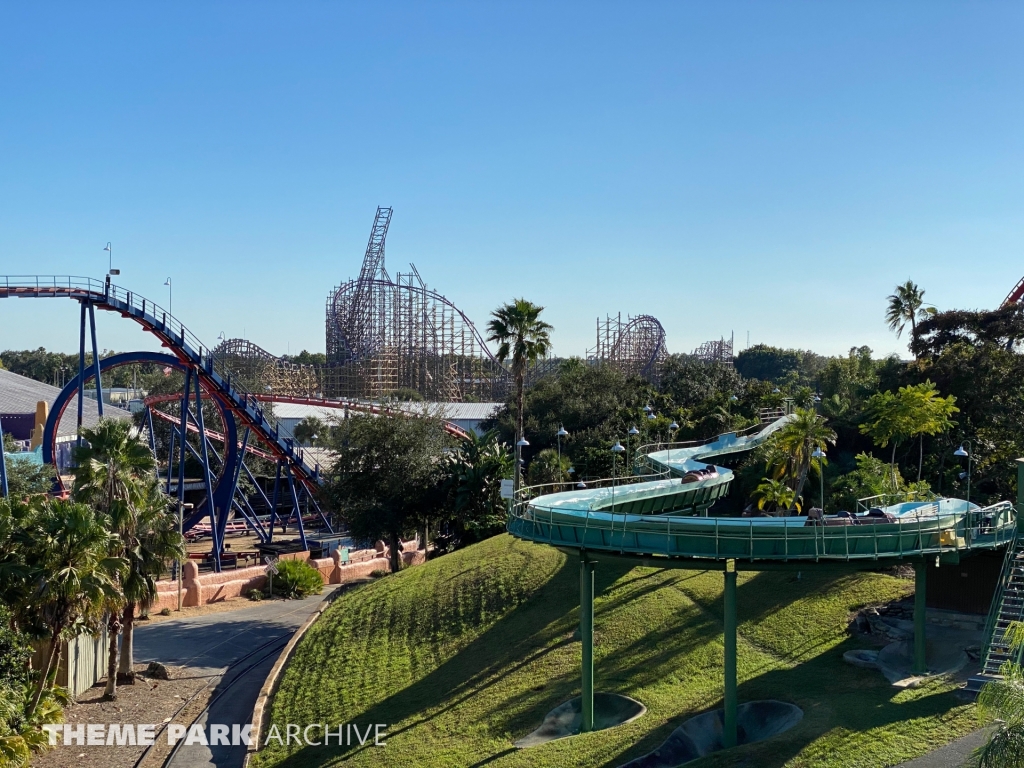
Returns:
(467,653)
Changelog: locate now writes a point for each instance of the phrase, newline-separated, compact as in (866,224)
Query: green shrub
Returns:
(378,573)
(165,611)
(297,578)
(255,595)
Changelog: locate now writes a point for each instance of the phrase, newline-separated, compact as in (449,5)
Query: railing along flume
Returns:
(759,539)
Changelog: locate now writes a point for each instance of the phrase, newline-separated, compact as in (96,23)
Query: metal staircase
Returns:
(1007,607)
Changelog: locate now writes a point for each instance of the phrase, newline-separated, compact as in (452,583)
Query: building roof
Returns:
(450,411)
(19,394)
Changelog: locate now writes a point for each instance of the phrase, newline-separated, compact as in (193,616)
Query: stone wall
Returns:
(204,589)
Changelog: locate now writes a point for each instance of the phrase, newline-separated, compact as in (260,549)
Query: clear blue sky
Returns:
(771,167)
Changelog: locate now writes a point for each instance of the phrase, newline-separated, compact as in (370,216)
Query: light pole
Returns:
(672,428)
(960,452)
(616,450)
(820,455)
(110,262)
(170,297)
(560,434)
(632,431)
(523,443)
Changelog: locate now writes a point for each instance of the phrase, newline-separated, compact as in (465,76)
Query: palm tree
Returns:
(522,337)
(1003,701)
(115,472)
(74,575)
(800,438)
(548,467)
(773,495)
(152,541)
(906,305)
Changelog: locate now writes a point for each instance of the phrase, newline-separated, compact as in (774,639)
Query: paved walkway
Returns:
(956,754)
(239,647)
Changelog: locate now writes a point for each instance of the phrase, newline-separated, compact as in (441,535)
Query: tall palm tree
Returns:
(74,575)
(147,545)
(906,306)
(1003,701)
(116,472)
(800,438)
(522,337)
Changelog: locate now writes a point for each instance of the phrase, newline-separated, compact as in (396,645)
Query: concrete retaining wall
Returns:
(203,589)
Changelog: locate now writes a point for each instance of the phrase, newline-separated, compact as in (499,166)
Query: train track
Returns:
(231,676)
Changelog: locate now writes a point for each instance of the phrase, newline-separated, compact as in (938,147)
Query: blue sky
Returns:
(766,167)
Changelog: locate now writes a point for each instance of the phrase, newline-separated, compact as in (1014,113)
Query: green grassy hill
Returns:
(468,652)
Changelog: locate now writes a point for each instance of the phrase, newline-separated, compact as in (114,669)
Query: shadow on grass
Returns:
(833,695)
(508,645)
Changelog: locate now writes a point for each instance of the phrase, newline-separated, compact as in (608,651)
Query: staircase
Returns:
(1007,607)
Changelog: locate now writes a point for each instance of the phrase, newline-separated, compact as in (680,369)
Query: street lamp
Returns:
(110,262)
(819,455)
(560,434)
(170,297)
(616,450)
(632,431)
(519,462)
(672,428)
(960,452)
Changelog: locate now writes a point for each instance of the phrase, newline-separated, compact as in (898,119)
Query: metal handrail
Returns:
(1001,529)
(121,299)
(896,497)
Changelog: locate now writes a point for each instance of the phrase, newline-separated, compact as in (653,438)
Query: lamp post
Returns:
(632,431)
(110,262)
(560,434)
(522,443)
(672,428)
(616,450)
(819,455)
(960,452)
(170,297)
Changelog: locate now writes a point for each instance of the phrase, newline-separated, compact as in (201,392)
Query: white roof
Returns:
(450,411)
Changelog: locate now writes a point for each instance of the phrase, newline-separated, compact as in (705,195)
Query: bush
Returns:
(165,611)
(297,578)
(255,595)
(379,573)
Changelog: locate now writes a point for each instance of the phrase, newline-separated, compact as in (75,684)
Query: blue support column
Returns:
(274,501)
(3,465)
(81,376)
(184,443)
(96,360)
(170,459)
(152,435)
(207,478)
(298,509)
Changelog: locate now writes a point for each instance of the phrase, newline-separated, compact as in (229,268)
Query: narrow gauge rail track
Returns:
(265,650)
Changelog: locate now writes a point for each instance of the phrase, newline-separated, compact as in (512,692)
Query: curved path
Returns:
(217,645)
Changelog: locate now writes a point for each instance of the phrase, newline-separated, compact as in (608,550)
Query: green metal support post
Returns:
(729,731)
(587,640)
(920,640)
(1020,488)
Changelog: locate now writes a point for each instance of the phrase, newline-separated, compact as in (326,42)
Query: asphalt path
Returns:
(213,645)
(956,754)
